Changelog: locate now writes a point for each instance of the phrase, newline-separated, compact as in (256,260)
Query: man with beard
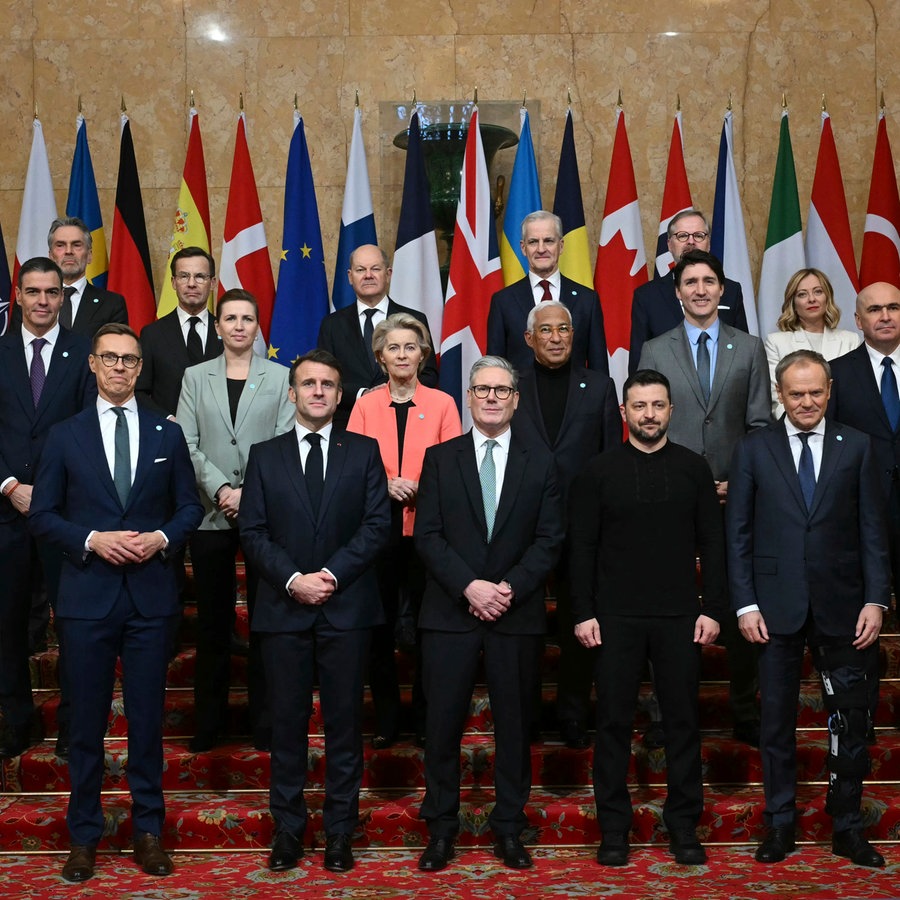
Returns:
(649,507)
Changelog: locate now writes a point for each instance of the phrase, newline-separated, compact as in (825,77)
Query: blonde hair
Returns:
(789,320)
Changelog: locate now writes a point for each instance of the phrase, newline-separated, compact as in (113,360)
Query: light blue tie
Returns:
(488,475)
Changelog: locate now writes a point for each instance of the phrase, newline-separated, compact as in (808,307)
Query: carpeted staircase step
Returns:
(241,821)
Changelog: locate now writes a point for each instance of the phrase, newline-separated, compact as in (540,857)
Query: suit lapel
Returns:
(870,392)
(150,435)
(725,354)
(832,448)
(88,304)
(213,341)
(512,482)
(530,406)
(779,446)
(575,396)
(681,350)
(19,384)
(337,457)
(354,338)
(218,385)
(93,452)
(252,387)
(293,470)
(468,470)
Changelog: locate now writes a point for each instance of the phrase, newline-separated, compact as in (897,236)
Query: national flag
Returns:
(301,301)
(880,260)
(784,236)
(621,261)
(245,254)
(38,203)
(829,243)
(357,216)
(416,280)
(728,241)
(5,286)
(192,224)
(524,197)
(84,203)
(575,260)
(475,273)
(130,273)
(676,197)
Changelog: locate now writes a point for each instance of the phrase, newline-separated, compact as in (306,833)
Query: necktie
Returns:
(368,332)
(65,313)
(488,476)
(122,457)
(889,396)
(703,364)
(37,373)
(546,286)
(315,470)
(194,344)
(806,471)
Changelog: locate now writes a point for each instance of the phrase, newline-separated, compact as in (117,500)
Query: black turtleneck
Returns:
(552,391)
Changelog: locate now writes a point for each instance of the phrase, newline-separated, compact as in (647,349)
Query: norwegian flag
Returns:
(880,259)
(475,274)
(676,197)
(621,261)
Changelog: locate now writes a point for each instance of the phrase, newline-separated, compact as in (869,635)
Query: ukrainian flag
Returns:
(524,198)
(84,203)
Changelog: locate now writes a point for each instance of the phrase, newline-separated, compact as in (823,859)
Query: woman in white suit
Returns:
(808,321)
(226,405)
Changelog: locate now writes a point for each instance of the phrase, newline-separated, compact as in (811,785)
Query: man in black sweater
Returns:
(640,516)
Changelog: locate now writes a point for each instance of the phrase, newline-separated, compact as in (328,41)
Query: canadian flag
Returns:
(245,253)
(880,259)
(676,197)
(621,261)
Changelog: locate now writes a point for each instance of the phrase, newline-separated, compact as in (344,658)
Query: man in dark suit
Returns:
(808,564)
(347,333)
(572,412)
(45,377)
(314,541)
(184,337)
(489,528)
(720,390)
(542,244)
(115,492)
(655,308)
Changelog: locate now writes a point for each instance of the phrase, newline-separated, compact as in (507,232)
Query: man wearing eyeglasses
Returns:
(115,493)
(572,412)
(655,308)
(45,378)
(489,528)
(184,337)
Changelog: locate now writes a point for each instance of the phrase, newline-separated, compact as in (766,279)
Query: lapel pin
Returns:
(252,387)
(338,444)
(65,354)
(839,437)
(730,346)
(159,427)
(421,415)
(96,299)
(574,293)
(582,385)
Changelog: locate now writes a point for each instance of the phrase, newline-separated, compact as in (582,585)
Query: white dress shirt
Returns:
(537,288)
(501,454)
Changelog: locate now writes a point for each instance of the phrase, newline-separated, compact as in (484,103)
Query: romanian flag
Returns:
(191,227)
(84,203)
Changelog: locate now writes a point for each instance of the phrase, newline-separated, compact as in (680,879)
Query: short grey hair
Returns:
(803,358)
(543,215)
(671,229)
(70,222)
(495,362)
(545,304)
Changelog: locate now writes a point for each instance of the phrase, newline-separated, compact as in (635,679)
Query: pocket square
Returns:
(161,459)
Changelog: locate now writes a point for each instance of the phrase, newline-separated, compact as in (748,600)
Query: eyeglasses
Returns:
(682,236)
(501,391)
(546,330)
(129,360)
(186,277)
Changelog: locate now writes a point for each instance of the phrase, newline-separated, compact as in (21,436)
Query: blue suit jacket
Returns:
(508,316)
(655,310)
(281,535)
(785,559)
(74,494)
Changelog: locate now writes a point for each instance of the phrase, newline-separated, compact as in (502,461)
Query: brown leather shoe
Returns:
(80,864)
(151,857)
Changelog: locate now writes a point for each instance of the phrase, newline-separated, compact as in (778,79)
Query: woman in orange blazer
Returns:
(406,418)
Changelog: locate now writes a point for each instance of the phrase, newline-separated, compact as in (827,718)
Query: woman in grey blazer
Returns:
(226,405)
(808,321)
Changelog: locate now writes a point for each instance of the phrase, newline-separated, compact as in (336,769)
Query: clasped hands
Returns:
(487,600)
(122,548)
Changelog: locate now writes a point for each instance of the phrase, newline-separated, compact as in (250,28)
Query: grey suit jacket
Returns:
(738,402)
(219,450)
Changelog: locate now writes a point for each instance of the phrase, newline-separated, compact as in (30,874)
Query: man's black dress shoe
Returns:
(574,735)
(80,864)
(437,854)
(613,849)
(262,739)
(687,850)
(777,844)
(203,741)
(338,853)
(151,857)
(382,742)
(14,742)
(512,852)
(655,736)
(856,848)
(747,732)
(286,850)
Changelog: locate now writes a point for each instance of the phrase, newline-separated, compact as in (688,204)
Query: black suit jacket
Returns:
(165,359)
(508,317)
(451,535)
(281,535)
(832,559)
(655,310)
(591,423)
(341,335)
(97,307)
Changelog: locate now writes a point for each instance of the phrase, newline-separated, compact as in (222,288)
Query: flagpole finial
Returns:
(619,104)
(79,104)
(729,102)
(882,101)
(356,102)
(569,96)
(783,100)
(414,98)
(824,107)
(35,109)
(524,95)
(241,101)
(498,199)
(124,108)
(295,101)
(476,95)
(192,99)
(678,103)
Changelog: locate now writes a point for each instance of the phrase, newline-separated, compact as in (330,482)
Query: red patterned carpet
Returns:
(730,875)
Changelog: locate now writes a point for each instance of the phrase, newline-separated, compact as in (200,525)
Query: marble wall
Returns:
(155,52)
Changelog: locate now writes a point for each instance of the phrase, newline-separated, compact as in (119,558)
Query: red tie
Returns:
(546,286)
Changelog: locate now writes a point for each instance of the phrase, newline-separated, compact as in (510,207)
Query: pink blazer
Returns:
(431,420)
